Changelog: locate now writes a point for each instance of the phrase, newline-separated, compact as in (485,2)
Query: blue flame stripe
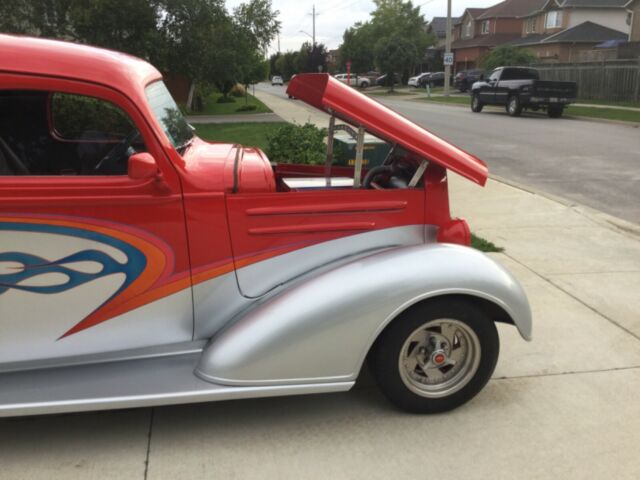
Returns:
(33,265)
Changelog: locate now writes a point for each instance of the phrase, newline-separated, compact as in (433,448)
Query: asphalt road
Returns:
(592,163)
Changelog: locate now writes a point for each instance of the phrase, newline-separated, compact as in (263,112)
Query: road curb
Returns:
(601,218)
(498,108)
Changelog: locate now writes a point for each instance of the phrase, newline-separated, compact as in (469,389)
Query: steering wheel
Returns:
(376,172)
(110,160)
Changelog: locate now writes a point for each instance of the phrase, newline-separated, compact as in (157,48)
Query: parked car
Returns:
(415,81)
(277,80)
(382,81)
(435,79)
(466,78)
(520,88)
(141,265)
(353,80)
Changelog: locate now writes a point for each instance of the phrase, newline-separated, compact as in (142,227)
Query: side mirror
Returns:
(142,166)
(482,76)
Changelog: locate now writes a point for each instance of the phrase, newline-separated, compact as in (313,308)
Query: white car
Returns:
(354,81)
(276,80)
(415,81)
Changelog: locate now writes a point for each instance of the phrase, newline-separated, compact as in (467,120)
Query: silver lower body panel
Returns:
(127,384)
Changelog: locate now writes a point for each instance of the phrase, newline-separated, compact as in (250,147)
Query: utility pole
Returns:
(447,49)
(278,43)
(314,26)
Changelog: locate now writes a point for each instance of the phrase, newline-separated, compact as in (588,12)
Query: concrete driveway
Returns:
(563,406)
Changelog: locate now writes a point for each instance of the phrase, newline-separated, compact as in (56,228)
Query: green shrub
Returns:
(246,108)
(223,99)
(238,90)
(302,144)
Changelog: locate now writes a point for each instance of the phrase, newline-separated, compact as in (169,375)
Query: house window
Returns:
(554,19)
(485,27)
(467,28)
(531,25)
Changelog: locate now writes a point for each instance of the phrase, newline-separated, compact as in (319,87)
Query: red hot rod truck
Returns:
(141,265)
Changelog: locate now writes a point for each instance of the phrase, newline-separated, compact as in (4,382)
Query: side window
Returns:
(495,76)
(54,134)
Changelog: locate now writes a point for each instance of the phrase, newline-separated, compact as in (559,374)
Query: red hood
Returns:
(324,92)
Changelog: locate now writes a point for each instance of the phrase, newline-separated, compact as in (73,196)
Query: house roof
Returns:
(485,40)
(438,25)
(586,32)
(594,3)
(473,13)
(514,9)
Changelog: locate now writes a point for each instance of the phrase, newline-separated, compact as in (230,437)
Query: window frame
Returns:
(16,81)
(467,30)
(557,19)
(531,25)
(487,24)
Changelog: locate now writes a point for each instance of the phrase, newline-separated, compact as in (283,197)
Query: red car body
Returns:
(196,218)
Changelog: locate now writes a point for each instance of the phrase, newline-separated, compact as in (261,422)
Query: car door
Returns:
(502,85)
(487,90)
(91,260)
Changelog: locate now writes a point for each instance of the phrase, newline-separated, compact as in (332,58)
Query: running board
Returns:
(127,384)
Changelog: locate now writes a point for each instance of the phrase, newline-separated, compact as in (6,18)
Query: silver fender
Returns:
(320,330)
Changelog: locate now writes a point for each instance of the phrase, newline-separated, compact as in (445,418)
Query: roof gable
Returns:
(513,9)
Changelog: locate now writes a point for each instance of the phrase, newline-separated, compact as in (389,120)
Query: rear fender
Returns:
(320,330)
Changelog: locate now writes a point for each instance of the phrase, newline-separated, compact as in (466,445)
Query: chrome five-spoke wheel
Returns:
(437,355)
(439,358)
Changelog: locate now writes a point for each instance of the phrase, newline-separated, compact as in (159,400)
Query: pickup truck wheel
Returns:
(436,356)
(476,104)
(555,112)
(514,108)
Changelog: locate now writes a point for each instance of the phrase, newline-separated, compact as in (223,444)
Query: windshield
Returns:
(168,114)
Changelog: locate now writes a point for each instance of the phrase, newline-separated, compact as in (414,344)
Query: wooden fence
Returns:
(610,80)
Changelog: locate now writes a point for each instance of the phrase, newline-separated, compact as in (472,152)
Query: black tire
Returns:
(514,107)
(364,85)
(476,104)
(386,355)
(555,111)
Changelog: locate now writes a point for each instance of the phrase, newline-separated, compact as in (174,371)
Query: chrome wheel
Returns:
(439,358)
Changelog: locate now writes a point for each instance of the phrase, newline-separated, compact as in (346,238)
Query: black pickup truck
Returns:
(519,88)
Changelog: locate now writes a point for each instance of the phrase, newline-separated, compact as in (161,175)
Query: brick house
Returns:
(480,29)
(569,30)
(633,15)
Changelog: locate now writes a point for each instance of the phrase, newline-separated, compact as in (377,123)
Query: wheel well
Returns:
(491,309)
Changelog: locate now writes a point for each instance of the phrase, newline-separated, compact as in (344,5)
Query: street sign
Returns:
(448,58)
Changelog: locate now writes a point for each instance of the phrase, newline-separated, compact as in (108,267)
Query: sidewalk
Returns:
(239,118)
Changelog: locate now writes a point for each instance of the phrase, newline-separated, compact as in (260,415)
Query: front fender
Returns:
(322,328)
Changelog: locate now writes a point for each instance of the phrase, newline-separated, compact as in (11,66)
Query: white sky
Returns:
(337,15)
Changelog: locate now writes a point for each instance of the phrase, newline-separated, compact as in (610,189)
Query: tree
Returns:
(506,56)
(397,19)
(312,58)
(394,54)
(358,47)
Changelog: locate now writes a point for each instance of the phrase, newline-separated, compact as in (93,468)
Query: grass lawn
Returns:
(606,113)
(252,134)
(484,245)
(211,107)
(455,100)
(386,93)
(611,103)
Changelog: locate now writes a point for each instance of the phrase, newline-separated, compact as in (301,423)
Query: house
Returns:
(633,18)
(569,30)
(573,44)
(438,27)
(481,29)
